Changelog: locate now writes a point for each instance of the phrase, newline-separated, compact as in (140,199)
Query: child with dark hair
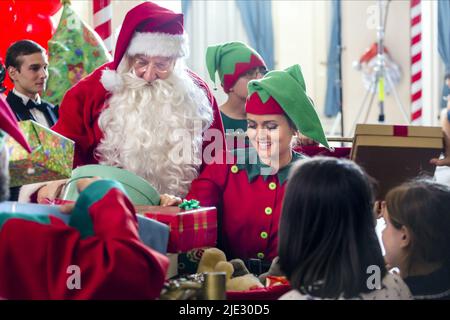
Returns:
(328,247)
(417,237)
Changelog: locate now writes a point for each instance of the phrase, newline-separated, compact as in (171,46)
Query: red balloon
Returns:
(9,19)
(38,28)
(22,19)
(44,7)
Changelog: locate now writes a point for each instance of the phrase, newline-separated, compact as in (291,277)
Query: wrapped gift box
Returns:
(266,293)
(51,157)
(394,154)
(189,229)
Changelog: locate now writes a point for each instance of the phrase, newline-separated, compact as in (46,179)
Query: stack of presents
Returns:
(188,234)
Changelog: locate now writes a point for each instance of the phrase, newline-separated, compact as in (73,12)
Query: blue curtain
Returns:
(257,20)
(333,99)
(185,4)
(444,41)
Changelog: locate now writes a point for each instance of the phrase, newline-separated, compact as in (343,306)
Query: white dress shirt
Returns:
(37,114)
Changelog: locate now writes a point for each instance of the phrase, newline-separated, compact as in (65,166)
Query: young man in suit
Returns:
(27,63)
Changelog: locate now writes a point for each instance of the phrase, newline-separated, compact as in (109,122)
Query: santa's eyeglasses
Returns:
(254,73)
(161,65)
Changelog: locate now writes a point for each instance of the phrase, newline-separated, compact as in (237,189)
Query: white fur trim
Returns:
(110,80)
(158,44)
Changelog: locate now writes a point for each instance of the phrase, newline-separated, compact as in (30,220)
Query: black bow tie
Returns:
(32,105)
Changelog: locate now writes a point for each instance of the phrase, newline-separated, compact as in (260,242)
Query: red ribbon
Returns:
(400,131)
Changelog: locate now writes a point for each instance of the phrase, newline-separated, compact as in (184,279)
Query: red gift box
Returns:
(266,293)
(189,229)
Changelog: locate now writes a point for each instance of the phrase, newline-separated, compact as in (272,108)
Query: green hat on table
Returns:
(284,92)
(231,60)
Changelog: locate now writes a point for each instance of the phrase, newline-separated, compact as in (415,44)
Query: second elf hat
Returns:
(231,60)
(284,92)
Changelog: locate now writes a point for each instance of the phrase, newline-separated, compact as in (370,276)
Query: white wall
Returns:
(209,23)
(301,33)
(359,22)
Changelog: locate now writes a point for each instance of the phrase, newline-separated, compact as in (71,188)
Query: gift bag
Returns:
(51,157)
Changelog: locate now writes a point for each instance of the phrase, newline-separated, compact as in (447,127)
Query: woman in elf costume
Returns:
(249,186)
(237,64)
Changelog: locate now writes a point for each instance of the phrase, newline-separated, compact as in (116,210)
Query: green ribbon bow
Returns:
(189,204)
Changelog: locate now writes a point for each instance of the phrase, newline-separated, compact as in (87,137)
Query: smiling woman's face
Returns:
(271,136)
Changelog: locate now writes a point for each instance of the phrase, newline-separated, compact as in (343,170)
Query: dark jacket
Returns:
(22,111)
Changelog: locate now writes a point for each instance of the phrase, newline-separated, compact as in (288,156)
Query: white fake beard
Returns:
(155,130)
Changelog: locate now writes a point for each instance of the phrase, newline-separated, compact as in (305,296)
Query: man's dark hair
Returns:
(327,237)
(447,76)
(21,48)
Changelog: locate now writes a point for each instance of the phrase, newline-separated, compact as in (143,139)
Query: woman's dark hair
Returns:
(21,48)
(327,236)
(422,206)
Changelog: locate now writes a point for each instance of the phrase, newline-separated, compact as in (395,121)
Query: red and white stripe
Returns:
(416,62)
(102,21)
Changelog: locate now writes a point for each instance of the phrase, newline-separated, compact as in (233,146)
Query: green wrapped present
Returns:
(75,50)
(51,157)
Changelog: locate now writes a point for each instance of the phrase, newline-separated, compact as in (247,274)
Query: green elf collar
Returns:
(247,159)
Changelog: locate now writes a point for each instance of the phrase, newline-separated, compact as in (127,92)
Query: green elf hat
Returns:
(284,92)
(231,60)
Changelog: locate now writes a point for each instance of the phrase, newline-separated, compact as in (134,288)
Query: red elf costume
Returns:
(250,199)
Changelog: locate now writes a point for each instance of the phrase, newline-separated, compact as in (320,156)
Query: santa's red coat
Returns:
(81,108)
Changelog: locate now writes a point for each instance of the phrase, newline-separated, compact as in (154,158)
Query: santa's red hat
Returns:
(151,30)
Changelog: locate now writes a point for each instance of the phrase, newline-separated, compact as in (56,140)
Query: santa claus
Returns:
(145,111)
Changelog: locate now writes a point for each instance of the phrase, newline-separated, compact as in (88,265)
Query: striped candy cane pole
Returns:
(102,21)
(416,62)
